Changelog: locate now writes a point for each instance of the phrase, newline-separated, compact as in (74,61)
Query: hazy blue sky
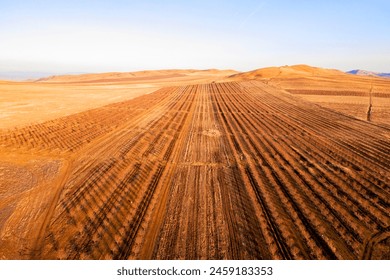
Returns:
(119,35)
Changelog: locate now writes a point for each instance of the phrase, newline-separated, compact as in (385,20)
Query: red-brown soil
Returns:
(233,170)
(333,89)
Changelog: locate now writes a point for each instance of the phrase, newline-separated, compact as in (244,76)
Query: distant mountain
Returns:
(23,76)
(368,73)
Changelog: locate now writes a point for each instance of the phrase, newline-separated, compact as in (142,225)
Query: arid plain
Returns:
(278,163)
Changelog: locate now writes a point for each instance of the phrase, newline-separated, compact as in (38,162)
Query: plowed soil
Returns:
(233,170)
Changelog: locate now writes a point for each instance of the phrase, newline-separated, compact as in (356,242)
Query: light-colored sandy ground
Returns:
(23,103)
(27,103)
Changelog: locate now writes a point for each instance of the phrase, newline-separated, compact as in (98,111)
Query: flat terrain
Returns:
(241,169)
(28,103)
(23,103)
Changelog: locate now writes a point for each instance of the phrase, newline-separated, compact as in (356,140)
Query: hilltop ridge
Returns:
(300,70)
(134,76)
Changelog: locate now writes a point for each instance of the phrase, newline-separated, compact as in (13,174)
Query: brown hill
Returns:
(304,78)
(293,71)
(148,75)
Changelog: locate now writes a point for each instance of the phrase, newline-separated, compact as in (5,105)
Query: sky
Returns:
(80,36)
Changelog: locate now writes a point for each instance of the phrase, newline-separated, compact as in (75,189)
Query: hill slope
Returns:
(300,70)
(135,76)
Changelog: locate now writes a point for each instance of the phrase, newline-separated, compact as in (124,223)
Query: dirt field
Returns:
(333,89)
(355,106)
(23,103)
(232,170)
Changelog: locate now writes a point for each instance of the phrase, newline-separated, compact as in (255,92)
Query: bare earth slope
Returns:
(142,76)
(233,170)
(294,71)
(345,93)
